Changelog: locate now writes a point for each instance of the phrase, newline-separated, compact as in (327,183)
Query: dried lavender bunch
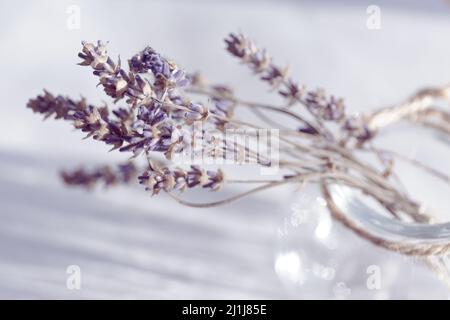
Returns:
(162,103)
(123,174)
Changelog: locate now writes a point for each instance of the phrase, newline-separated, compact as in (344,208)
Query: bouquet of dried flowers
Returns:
(318,143)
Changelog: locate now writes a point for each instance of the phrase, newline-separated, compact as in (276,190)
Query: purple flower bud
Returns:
(179,179)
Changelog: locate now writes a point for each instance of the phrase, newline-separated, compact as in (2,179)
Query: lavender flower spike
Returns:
(158,112)
(124,173)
